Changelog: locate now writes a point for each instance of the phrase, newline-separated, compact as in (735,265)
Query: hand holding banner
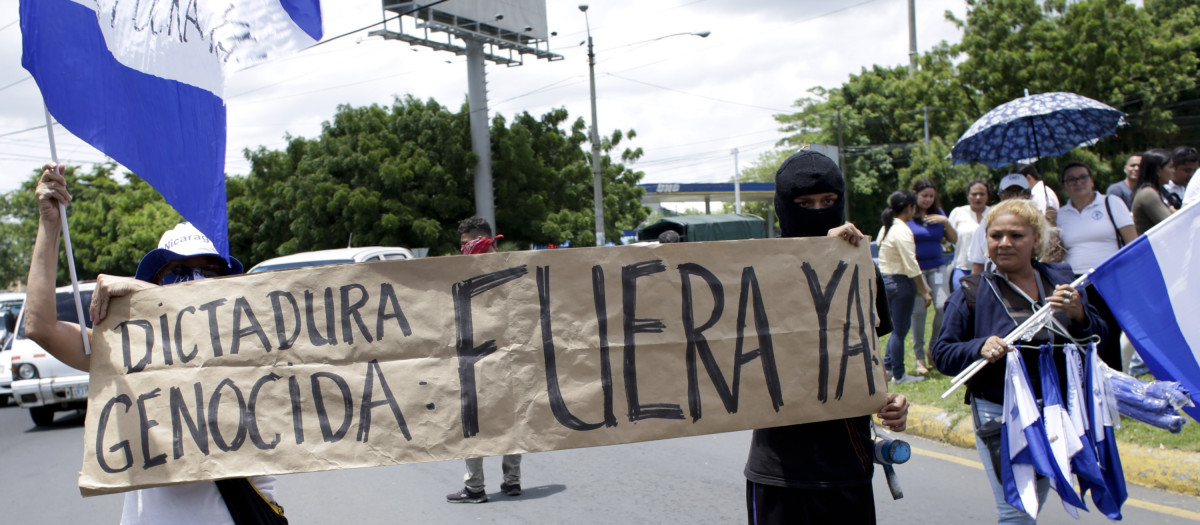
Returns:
(431,359)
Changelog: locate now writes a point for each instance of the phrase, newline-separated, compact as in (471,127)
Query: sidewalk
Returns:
(1172,470)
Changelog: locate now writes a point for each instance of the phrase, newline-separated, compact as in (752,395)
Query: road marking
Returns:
(947,457)
(1163,509)
(1145,505)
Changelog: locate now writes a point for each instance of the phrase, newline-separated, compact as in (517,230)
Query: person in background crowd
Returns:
(1042,196)
(1193,192)
(991,304)
(901,278)
(1150,204)
(965,220)
(1124,188)
(930,227)
(668,236)
(1093,227)
(184,254)
(817,473)
(1012,186)
(476,236)
(1182,166)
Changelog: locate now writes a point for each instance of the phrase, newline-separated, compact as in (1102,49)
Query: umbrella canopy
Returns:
(1043,125)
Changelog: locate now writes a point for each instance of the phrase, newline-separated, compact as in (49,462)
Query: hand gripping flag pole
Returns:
(1035,322)
(62,213)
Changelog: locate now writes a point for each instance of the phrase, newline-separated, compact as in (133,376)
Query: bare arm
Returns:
(1128,233)
(61,339)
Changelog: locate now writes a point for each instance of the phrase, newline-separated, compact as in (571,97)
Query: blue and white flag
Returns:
(143,82)
(1102,416)
(1153,288)
(1067,441)
(1024,449)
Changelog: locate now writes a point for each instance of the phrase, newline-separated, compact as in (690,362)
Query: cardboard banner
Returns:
(431,359)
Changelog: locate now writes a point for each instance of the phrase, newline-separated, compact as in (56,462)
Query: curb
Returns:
(1160,468)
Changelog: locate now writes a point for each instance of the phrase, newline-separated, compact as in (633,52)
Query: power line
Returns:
(714,99)
(15,83)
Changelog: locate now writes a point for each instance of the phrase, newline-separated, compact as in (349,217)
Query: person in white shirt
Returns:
(966,220)
(1092,228)
(1012,186)
(1042,196)
(184,254)
(1183,164)
(1193,192)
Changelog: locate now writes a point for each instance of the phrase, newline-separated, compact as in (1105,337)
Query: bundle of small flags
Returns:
(1155,403)
(1071,436)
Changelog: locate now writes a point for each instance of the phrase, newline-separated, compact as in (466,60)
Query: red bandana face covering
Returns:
(480,245)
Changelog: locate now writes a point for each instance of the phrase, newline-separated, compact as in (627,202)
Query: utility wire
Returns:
(714,99)
(15,83)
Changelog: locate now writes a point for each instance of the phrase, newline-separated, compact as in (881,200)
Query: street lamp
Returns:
(598,188)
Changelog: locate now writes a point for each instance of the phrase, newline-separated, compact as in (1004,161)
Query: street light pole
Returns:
(737,183)
(598,182)
(598,186)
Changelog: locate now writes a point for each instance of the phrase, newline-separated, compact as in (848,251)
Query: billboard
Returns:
(517,21)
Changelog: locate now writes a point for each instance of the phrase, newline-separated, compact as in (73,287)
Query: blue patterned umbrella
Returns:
(1043,125)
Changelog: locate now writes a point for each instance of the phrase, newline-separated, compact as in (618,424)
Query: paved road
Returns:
(692,480)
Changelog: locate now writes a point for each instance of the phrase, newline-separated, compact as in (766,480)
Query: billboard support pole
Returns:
(481,136)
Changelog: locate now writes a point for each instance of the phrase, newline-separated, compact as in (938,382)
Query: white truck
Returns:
(10,309)
(42,383)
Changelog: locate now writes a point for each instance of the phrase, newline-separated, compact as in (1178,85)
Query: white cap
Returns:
(1014,179)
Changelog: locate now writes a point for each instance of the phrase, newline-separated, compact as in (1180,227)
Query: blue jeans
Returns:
(1005,513)
(938,289)
(901,291)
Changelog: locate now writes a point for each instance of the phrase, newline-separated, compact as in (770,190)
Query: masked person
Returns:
(476,236)
(817,472)
(183,254)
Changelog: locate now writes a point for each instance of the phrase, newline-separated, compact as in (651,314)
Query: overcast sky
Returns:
(691,99)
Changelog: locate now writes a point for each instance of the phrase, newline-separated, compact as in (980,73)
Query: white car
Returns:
(10,310)
(336,256)
(42,383)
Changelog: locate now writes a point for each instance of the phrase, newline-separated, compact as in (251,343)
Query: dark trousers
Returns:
(771,505)
(1110,347)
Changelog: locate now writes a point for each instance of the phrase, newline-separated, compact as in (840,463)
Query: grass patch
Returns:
(929,393)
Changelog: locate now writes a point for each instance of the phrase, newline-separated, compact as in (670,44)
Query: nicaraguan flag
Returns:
(143,82)
(1153,288)
(1102,415)
(1068,450)
(1024,449)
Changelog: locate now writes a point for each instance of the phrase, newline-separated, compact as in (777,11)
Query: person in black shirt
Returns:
(817,472)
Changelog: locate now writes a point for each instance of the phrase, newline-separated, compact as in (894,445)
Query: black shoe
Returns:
(511,490)
(466,496)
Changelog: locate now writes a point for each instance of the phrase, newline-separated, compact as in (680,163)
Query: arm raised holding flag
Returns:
(183,251)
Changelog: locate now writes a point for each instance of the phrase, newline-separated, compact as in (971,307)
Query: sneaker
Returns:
(466,496)
(908,379)
(511,489)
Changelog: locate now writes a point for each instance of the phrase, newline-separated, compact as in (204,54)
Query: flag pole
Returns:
(62,213)
(1034,323)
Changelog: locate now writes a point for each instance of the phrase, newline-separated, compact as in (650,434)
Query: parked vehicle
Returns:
(10,310)
(696,228)
(336,256)
(42,383)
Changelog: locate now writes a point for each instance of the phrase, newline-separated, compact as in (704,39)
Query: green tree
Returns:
(1140,60)
(112,224)
(403,175)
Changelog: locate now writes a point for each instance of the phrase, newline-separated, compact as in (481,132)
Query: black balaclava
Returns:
(805,173)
